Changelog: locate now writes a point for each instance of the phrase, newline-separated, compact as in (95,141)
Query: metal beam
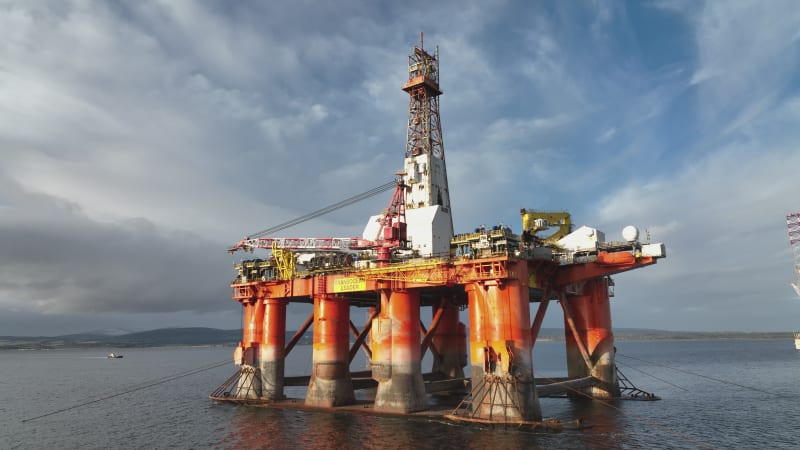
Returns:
(361,336)
(426,341)
(299,334)
(537,321)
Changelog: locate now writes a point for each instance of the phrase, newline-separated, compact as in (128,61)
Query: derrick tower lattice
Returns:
(424,159)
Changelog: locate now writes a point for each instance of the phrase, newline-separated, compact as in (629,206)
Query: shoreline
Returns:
(48,343)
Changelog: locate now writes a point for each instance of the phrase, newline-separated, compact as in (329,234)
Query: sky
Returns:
(138,140)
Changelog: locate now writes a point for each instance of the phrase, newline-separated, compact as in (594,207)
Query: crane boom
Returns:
(391,234)
(347,243)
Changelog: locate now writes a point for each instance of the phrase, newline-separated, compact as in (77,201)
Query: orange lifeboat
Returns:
(615,258)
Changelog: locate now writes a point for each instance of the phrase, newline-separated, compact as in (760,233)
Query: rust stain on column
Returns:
(501,361)
(330,383)
(402,388)
(271,361)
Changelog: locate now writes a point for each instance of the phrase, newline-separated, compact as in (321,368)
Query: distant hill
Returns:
(643,334)
(198,336)
(179,336)
(154,338)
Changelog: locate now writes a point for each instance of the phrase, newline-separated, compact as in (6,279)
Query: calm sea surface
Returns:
(695,411)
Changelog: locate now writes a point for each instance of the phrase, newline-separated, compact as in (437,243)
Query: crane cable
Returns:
(718,380)
(664,428)
(312,215)
(139,387)
(651,375)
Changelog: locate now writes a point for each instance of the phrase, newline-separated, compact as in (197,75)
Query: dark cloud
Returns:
(55,259)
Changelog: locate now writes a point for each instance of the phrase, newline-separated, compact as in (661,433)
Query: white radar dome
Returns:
(630,233)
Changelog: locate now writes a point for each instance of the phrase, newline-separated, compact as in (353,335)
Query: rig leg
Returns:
(503,387)
(273,343)
(330,383)
(591,314)
(246,356)
(451,342)
(400,385)
(380,336)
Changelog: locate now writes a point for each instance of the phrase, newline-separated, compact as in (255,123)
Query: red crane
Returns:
(392,234)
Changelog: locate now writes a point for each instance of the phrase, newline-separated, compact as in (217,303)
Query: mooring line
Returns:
(652,422)
(139,387)
(652,376)
(719,380)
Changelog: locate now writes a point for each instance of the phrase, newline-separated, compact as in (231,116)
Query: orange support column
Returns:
(330,383)
(273,343)
(503,387)
(451,342)
(246,355)
(402,388)
(380,338)
(591,314)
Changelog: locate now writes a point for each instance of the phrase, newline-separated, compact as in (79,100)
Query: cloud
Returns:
(138,140)
(745,59)
(57,260)
(606,135)
(722,218)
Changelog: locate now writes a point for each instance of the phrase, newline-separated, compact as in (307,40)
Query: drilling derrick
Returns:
(424,145)
(430,223)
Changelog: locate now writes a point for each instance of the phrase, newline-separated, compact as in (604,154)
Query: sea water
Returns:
(739,394)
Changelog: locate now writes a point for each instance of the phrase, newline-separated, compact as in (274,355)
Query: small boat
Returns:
(113,355)
(797,340)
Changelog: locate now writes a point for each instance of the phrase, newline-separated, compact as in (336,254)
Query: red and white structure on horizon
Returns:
(793,223)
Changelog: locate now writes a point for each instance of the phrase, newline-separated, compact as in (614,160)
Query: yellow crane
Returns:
(534,222)
(284,259)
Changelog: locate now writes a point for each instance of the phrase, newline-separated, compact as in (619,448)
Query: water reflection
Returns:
(264,428)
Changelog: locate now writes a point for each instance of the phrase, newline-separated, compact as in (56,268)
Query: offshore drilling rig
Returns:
(409,258)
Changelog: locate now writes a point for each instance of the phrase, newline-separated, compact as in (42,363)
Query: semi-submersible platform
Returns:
(407,259)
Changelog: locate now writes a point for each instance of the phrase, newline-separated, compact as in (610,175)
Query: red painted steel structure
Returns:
(500,346)
(587,325)
(330,383)
(402,388)
(496,293)
(273,343)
